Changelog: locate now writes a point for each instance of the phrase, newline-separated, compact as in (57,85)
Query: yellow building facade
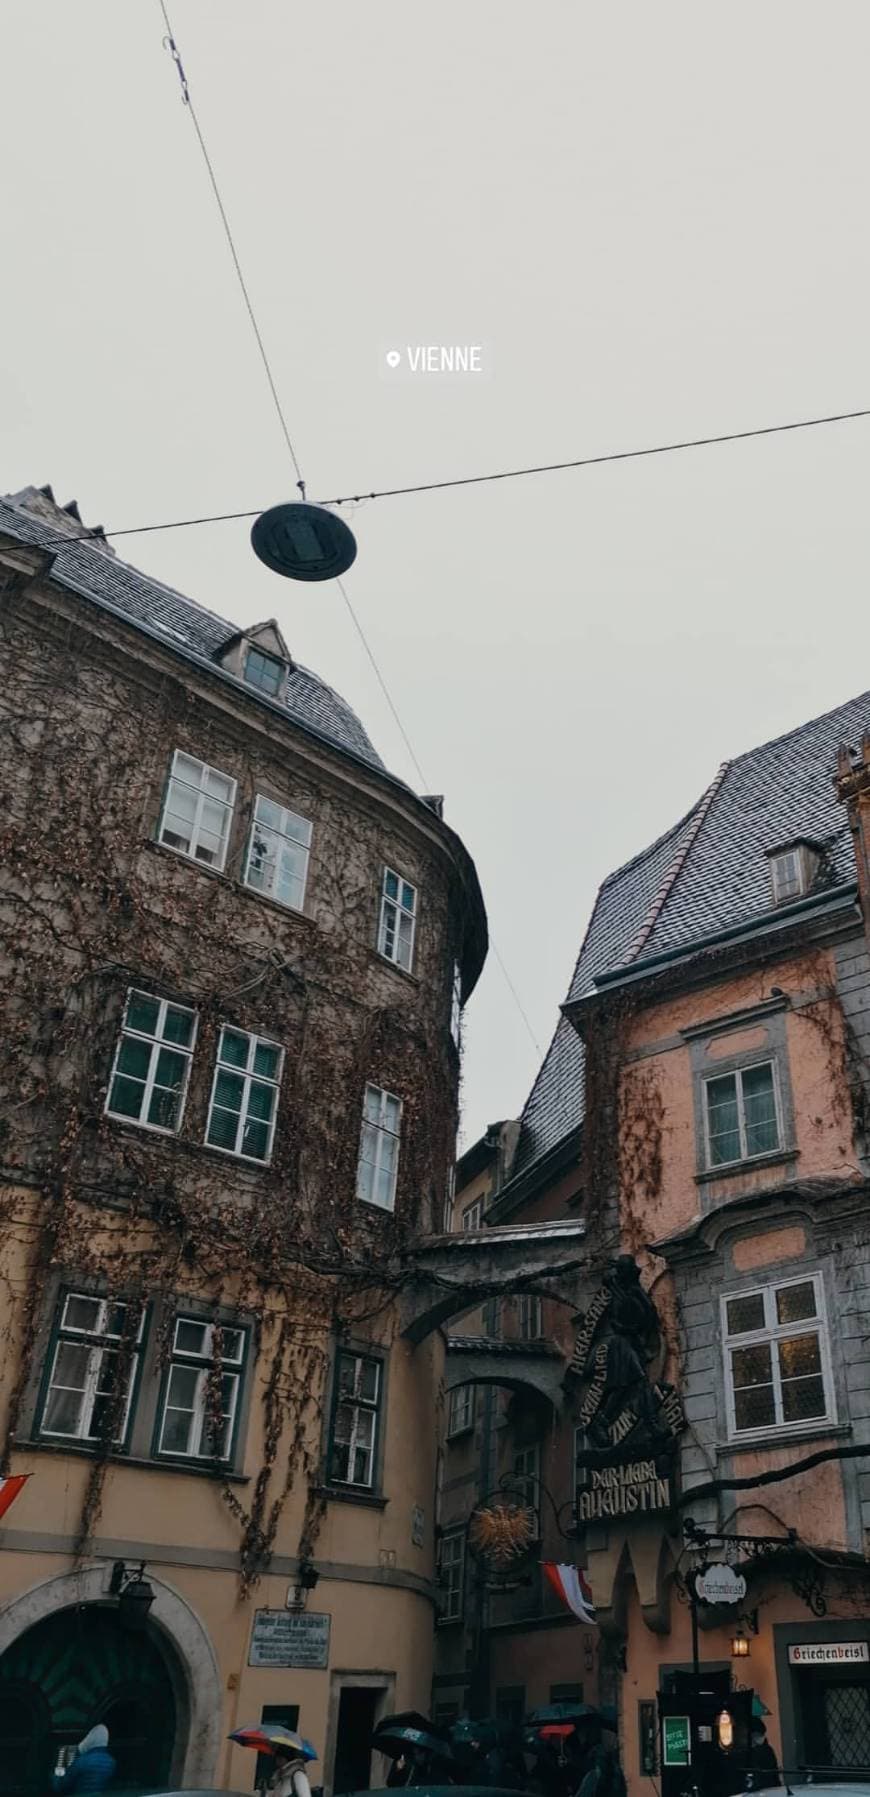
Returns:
(234,951)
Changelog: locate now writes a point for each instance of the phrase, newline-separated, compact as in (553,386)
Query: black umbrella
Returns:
(394,1734)
(486,1733)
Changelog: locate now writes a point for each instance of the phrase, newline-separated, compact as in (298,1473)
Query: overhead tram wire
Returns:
(185,94)
(172,46)
(381,681)
(477,480)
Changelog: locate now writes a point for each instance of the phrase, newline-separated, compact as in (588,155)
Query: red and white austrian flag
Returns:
(569,1584)
(9,1489)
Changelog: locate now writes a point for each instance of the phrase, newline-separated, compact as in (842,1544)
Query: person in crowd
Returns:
(761,1759)
(92,1766)
(289,1778)
(600,1772)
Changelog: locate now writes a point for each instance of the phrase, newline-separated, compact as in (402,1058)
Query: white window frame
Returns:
(798,862)
(530,1308)
(249,1078)
(157,1041)
(786,868)
(229,805)
(452,1588)
(281,836)
(472,1216)
(456,1005)
(265,655)
(461,1410)
(100,1341)
(382,1131)
(232,1367)
(769,1336)
(388,925)
(449,1214)
(361,1407)
(737,1073)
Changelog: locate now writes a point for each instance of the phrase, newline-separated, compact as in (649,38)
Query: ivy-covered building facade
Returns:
(702,1110)
(235,950)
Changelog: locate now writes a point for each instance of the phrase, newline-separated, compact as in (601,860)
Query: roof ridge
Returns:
(560,1020)
(799,729)
(675,868)
(625,867)
(83,566)
(90,545)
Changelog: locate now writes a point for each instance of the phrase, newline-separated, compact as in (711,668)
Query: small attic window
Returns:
(792,871)
(265,672)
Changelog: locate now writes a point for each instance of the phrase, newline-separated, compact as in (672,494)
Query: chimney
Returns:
(63,520)
(852,784)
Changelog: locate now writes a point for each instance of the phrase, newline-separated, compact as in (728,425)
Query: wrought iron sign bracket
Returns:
(804,1579)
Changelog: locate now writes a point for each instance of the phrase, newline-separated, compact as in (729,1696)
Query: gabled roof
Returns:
(709,873)
(268,631)
(93,570)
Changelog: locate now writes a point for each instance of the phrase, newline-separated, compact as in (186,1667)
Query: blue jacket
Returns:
(88,1772)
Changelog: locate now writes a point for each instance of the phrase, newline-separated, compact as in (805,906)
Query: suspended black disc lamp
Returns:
(303,542)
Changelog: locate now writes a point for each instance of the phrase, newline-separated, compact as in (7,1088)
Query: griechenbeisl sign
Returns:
(720,1585)
(631,1420)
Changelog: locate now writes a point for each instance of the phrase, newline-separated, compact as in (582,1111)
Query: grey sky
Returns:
(654,216)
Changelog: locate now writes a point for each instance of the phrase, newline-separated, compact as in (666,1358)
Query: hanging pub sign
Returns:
(720,1585)
(630,1419)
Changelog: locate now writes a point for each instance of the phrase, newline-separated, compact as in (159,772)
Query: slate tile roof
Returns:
(709,872)
(93,570)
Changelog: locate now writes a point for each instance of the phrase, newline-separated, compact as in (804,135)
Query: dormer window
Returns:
(787,875)
(259,656)
(792,870)
(265,672)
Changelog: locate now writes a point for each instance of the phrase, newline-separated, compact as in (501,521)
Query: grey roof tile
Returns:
(94,571)
(554,1107)
(709,872)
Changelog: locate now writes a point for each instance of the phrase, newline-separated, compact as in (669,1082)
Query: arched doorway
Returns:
(70,1671)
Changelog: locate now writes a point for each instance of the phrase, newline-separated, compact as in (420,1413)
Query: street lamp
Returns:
(303,542)
(307,1578)
(746,1625)
(135,1596)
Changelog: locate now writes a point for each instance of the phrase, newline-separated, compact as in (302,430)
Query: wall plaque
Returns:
(280,1638)
(828,1653)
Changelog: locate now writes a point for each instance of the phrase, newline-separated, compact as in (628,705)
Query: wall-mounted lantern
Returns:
(746,1625)
(135,1595)
(306,1580)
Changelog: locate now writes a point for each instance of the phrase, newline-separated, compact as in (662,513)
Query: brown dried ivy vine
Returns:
(89,906)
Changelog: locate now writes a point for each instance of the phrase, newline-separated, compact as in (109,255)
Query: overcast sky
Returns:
(652,217)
